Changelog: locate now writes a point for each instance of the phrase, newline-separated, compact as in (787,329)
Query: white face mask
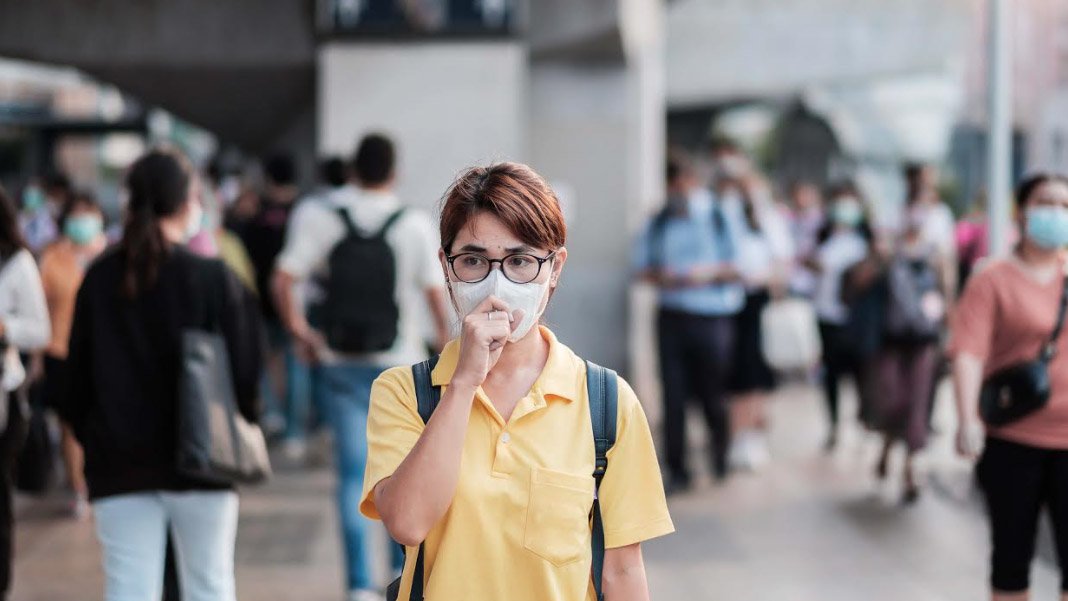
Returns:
(528,297)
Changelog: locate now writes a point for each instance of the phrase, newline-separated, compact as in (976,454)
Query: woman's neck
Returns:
(1037,257)
(173,229)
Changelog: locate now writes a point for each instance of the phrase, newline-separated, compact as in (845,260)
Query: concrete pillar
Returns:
(448,105)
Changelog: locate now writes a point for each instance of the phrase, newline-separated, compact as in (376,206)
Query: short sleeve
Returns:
(393,428)
(641,257)
(633,504)
(312,232)
(429,265)
(974,320)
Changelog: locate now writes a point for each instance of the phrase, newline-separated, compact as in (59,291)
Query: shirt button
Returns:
(506,438)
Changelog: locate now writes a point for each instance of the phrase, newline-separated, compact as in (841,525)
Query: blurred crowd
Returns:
(756,282)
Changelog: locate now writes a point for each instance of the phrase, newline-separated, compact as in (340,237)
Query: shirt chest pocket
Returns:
(558,510)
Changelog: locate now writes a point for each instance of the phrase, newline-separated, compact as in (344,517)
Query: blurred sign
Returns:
(418,18)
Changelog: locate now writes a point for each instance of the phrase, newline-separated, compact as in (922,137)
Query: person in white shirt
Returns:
(24,327)
(357,344)
(765,252)
(845,242)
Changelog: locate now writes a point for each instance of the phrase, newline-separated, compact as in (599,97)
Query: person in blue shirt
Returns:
(688,251)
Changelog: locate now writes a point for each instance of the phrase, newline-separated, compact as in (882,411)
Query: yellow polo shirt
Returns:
(518,527)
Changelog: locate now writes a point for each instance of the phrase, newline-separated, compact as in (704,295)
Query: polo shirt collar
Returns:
(563,376)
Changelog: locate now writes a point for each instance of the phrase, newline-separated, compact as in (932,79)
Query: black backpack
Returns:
(360,312)
(602,390)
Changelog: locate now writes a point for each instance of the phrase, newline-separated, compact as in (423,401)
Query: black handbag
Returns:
(1017,391)
(215,442)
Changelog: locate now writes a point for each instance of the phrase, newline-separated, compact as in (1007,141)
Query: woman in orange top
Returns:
(1005,317)
(63,266)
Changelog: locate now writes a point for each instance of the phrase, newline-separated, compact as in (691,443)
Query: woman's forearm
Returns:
(419,493)
(967,382)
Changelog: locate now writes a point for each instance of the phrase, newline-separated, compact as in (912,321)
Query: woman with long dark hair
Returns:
(122,381)
(24,328)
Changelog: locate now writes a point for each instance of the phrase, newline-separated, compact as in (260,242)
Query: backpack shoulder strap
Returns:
(602,390)
(390,222)
(350,227)
(427,397)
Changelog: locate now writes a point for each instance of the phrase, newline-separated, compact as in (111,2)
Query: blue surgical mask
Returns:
(1047,226)
(848,213)
(32,198)
(83,229)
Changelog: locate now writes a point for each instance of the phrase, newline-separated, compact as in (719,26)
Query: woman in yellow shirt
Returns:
(493,496)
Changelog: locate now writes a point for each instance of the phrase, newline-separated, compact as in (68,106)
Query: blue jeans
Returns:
(132,529)
(346,389)
(295,407)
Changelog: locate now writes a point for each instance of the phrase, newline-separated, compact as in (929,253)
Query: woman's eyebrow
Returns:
(474,248)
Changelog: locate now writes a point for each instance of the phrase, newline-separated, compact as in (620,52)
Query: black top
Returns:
(264,236)
(120,393)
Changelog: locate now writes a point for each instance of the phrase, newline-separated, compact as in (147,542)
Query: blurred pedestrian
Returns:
(807,218)
(845,241)
(214,240)
(764,255)
(42,202)
(63,267)
(24,328)
(917,287)
(1007,318)
(383,275)
(122,389)
(493,496)
(938,229)
(688,251)
(285,385)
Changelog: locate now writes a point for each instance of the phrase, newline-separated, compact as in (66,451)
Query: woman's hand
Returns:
(970,439)
(484,333)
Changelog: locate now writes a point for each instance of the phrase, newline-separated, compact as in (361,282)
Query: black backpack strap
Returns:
(390,222)
(427,397)
(1050,349)
(601,388)
(350,227)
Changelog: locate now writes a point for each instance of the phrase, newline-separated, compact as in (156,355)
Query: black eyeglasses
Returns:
(520,268)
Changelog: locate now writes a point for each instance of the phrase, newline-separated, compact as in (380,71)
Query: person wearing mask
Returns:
(286,381)
(382,277)
(765,251)
(42,202)
(1005,318)
(807,217)
(687,252)
(24,328)
(844,242)
(122,380)
(917,287)
(214,240)
(63,266)
(493,495)
(939,225)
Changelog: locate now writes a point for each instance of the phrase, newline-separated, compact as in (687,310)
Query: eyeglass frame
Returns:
(451,259)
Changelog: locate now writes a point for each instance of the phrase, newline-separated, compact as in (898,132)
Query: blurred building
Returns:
(575,88)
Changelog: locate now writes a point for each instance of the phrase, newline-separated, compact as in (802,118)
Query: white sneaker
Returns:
(739,454)
(365,595)
(295,450)
(759,454)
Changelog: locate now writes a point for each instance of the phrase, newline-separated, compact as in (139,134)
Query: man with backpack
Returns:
(382,273)
(688,253)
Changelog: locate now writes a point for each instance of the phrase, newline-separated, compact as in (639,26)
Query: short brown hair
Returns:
(513,193)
